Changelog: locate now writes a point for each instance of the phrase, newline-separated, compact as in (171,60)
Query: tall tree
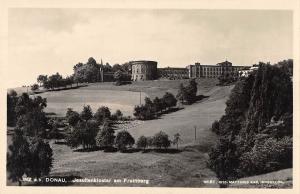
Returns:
(105,137)
(86,113)
(18,157)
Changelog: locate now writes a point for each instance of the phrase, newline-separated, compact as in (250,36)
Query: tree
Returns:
(177,139)
(117,67)
(11,105)
(181,95)
(118,77)
(102,113)
(169,99)
(86,113)
(105,137)
(18,157)
(117,115)
(30,156)
(31,118)
(72,117)
(157,105)
(123,140)
(160,140)
(42,79)
(34,87)
(69,80)
(41,158)
(142,142)
(257,117)
(84,134)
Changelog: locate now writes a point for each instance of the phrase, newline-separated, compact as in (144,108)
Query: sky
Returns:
(46,41)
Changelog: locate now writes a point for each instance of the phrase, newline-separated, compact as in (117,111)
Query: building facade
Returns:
(143,70)
(214,71)
(173,73)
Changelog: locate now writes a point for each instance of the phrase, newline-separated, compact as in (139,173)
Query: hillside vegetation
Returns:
(255,134)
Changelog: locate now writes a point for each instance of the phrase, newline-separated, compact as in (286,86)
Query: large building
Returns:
(214,71)
(143,70)
(173,73)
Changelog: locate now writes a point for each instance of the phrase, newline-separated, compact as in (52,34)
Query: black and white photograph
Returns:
(149,97)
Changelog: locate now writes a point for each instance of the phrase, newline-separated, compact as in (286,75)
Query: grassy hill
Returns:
(187,168)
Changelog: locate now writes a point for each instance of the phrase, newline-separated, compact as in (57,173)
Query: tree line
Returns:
(151,109)
(255,134)
(88,72)
(96,131)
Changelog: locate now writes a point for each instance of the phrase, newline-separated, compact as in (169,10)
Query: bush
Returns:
(160,140)
(123,140)
(268,155)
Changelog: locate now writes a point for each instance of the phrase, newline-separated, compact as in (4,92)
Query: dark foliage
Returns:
(84,134)
(11,106)
(124,140)
(256,130)
(102,114)
(30,156)
(31,118)
(161,140)
(151,110)
(105,137)
(72,117)
(187,94)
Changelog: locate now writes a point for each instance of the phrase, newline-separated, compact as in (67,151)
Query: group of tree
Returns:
(53,81)
(187,94)
(159,140)
(95,130)
(29,154)
(90,71)
(151,109)
(255,134)
(227,79)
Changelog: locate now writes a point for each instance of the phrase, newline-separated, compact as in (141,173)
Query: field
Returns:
(186,168)
(123,97)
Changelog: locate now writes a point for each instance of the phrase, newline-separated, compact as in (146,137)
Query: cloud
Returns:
(44,41)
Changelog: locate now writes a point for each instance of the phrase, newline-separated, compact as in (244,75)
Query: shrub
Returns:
(267,155)
(123,140)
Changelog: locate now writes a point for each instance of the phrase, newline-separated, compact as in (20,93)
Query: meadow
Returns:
(186,168)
